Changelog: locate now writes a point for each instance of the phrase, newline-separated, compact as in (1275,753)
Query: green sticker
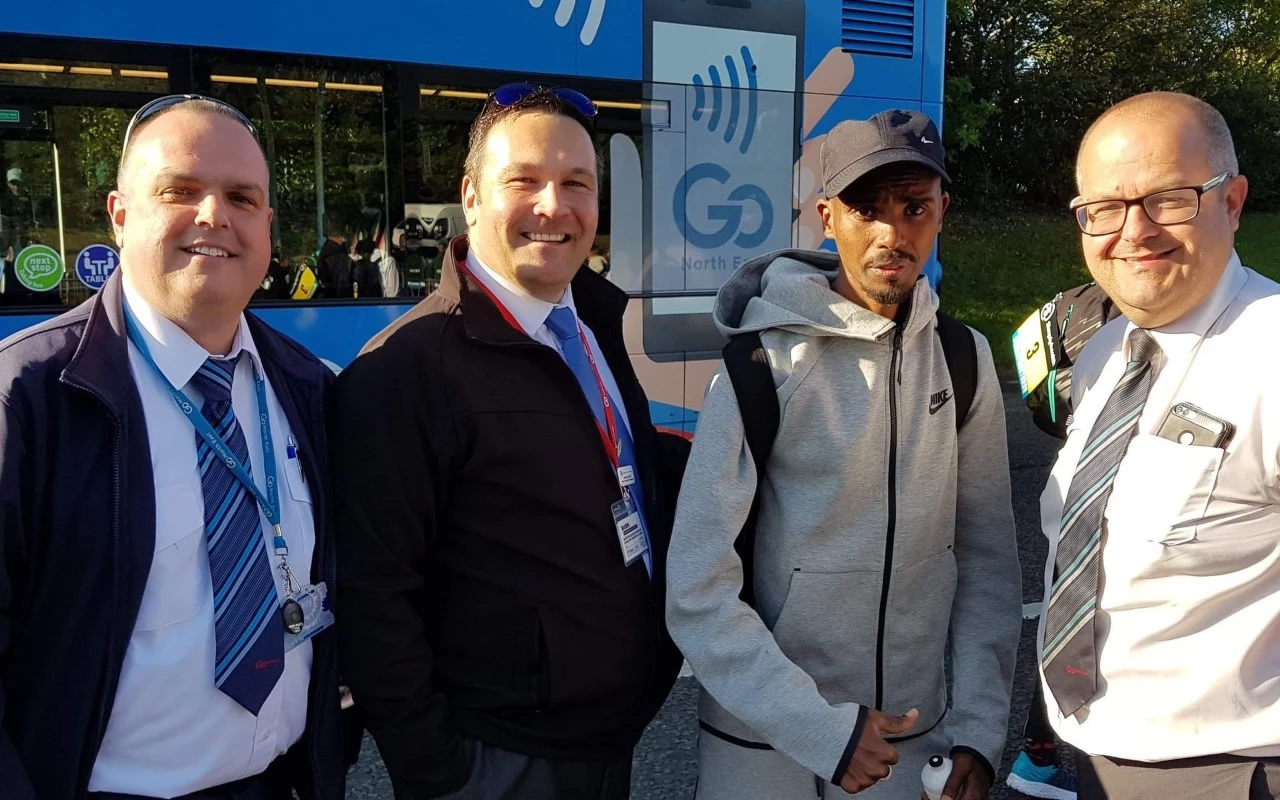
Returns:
(39,268)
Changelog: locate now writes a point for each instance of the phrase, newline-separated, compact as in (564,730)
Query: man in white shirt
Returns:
(165,553)
(1158,644)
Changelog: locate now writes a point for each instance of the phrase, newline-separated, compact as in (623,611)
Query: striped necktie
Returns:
(1070,656)
(249,653)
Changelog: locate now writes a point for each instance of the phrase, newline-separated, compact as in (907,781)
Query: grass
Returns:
(997,270)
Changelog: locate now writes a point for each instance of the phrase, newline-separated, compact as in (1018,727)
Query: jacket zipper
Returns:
(112,674)
(891,528)
(317,687)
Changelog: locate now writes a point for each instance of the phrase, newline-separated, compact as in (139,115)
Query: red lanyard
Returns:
(612,445)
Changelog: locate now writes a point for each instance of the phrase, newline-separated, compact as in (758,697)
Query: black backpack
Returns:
(748,366)
(1071,319)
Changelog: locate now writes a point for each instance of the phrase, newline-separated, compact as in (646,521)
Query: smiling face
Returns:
(532,212)
(1156,274)
(884,227)
(191,215)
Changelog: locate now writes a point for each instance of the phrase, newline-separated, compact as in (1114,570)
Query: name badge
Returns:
(316,614)
(626,518)
(626,476)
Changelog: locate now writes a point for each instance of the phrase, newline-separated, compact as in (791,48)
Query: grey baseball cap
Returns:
(855,147)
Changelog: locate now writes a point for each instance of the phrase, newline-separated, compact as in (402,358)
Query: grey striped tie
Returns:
(1070,649)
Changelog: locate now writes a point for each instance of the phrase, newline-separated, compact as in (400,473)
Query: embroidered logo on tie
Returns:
(266,663)
(937,400)
(1075,670)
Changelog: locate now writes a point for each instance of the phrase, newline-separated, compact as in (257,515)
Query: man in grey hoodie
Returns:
(884,537)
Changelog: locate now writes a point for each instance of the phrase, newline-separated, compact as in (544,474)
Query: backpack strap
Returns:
(961,353)
(748,367)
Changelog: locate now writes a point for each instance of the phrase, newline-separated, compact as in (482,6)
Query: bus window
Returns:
(324,133)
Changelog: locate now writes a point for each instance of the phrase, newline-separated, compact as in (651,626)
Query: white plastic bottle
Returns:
(934,776)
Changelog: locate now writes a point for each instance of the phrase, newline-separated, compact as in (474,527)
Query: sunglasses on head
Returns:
(512,93)
(169,101)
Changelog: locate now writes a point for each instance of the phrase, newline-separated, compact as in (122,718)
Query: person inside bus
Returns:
(148,581)
(333,264)
(884,536)
(504,515)
(366,278)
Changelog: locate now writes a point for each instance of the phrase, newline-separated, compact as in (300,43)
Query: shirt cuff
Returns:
(843,765)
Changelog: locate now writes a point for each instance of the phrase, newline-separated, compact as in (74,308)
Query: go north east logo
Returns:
(730,213)
(564,15)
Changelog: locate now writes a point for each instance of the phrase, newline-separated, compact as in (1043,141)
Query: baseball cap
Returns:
(855,147)
(14,176)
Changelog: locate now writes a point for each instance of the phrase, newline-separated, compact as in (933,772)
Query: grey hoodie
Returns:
(865,470)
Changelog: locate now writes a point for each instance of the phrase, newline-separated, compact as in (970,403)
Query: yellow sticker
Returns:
(1030,355)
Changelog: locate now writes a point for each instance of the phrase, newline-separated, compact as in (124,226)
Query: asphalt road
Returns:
(665,764)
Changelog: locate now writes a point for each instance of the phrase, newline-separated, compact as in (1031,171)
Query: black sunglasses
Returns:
(511,93)
(169,101)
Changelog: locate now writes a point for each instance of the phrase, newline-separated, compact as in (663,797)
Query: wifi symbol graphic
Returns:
(564,14)
(718,90)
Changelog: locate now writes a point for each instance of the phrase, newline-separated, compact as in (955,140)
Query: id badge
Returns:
(626,518)
(1031,353)
(316,614)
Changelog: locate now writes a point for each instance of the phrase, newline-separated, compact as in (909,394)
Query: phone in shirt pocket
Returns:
(1189,424)
(1166,480)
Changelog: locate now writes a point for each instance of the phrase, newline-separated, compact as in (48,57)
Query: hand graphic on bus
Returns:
(822,88)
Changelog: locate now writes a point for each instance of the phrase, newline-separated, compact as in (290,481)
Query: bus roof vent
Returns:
(878,27)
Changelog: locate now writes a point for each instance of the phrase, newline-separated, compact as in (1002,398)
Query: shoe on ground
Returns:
(1050,783)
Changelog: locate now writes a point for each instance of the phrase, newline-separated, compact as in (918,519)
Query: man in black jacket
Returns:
(503,519)
(162,503)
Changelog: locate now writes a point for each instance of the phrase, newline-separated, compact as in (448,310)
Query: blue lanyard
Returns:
(270,502)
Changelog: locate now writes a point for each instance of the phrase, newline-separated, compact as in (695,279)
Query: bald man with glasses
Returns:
(1158,646)
(165,629)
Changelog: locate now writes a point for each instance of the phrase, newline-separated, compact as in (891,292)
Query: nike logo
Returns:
(937,400)
(925,141)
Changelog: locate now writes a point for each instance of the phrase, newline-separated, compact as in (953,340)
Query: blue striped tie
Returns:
(249,654)
(1070,655)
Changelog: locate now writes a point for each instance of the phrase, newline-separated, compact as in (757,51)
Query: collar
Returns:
(528,310)
(596,301)
(175,353)
(1180,337)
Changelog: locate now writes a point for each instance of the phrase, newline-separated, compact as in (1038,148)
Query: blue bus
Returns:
(712,116)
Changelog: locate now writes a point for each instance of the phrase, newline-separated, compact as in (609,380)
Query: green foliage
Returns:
(997,269)
(1026,78)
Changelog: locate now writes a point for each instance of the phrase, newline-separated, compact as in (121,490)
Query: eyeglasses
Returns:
(169,101)
(1167,207)
(511,93)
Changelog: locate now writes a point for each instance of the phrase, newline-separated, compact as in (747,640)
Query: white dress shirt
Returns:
(171,732)
(532,315)
(1189,612)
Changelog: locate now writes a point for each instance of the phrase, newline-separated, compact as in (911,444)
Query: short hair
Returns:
(198,105)
(364,248)
(540,101)
(1221,150)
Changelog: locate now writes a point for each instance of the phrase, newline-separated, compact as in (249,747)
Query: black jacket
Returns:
(77,535)
(483,585)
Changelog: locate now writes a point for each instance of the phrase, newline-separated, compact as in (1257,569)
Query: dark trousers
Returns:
(1038,730)
(270,785)
(498,774)
(1208,778)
